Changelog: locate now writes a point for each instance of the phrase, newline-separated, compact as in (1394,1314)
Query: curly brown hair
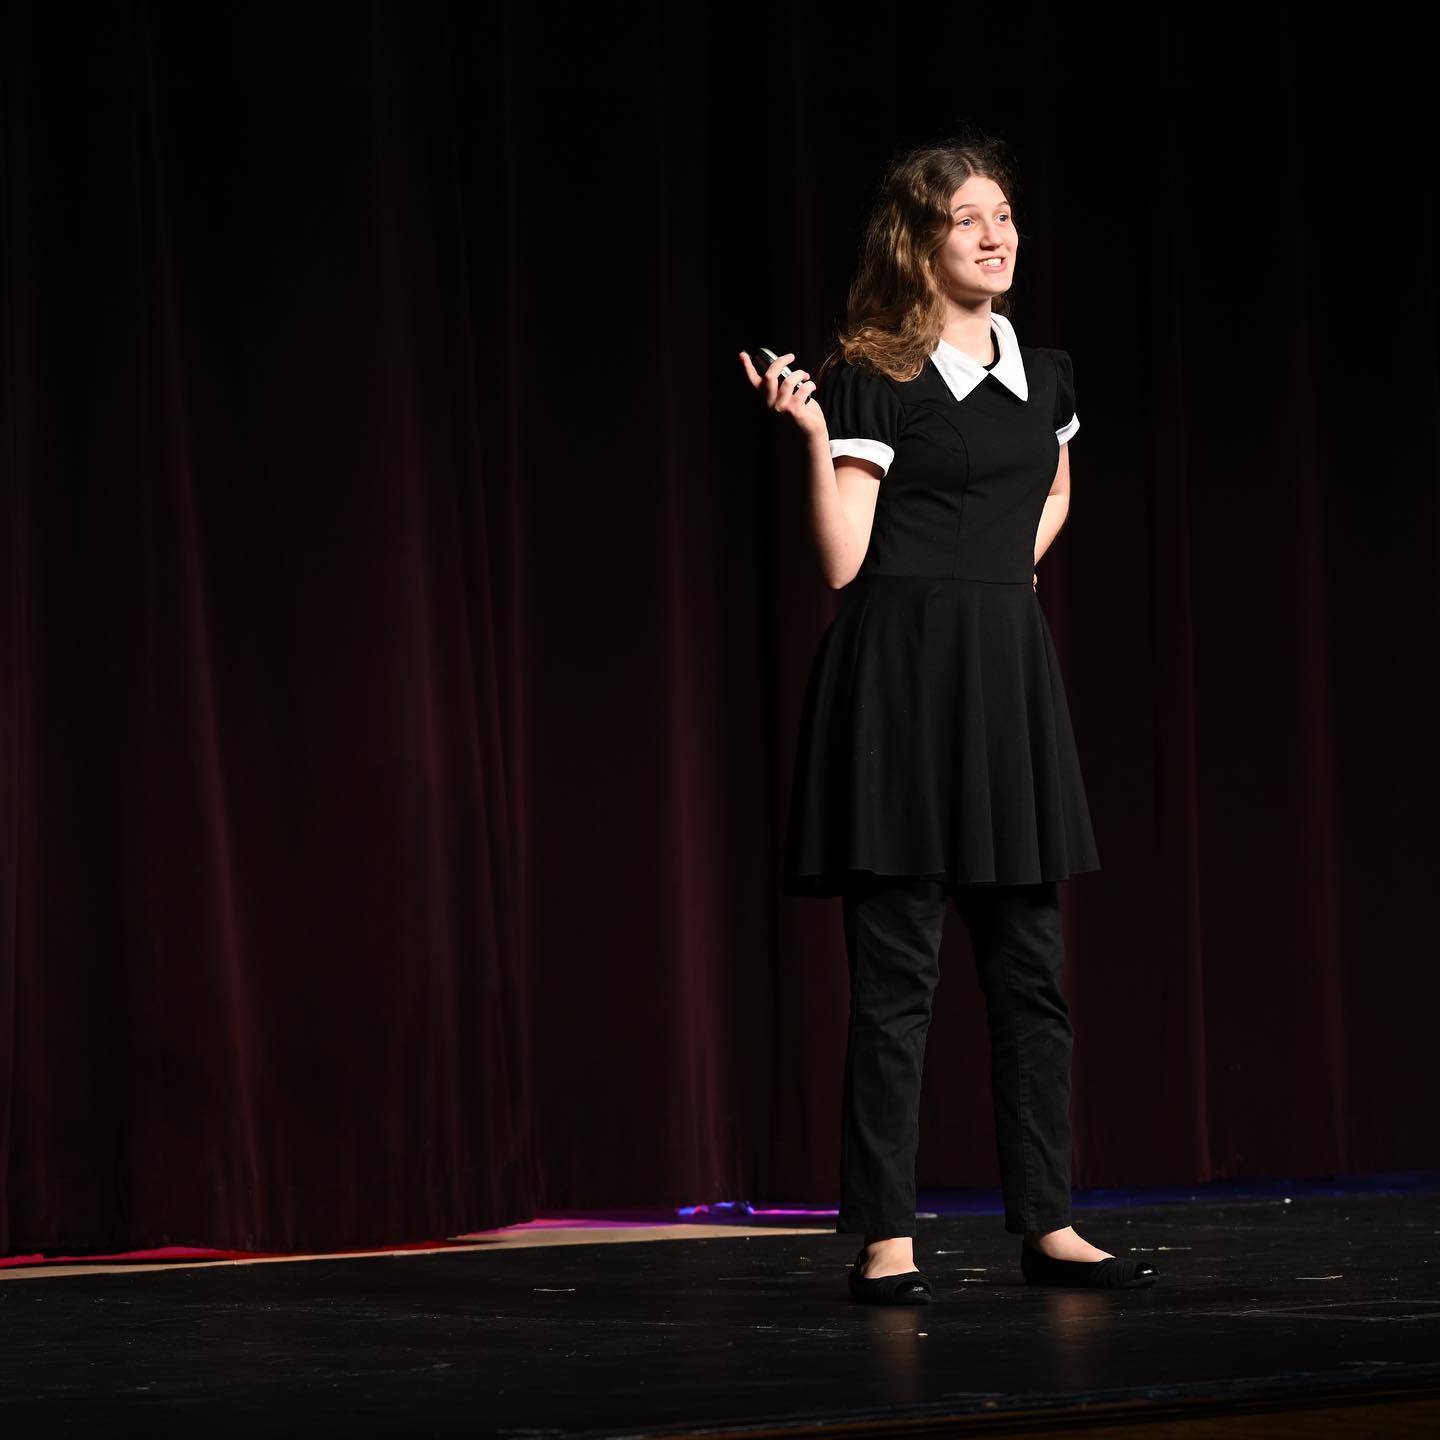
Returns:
(896,310)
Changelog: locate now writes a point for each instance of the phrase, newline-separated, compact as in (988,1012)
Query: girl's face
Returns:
(978,260)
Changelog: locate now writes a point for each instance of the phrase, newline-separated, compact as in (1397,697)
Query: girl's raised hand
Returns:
(788,395)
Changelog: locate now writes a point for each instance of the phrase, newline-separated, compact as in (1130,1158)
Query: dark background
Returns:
(407,604)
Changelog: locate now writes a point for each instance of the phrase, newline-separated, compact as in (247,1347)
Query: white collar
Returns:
(962,372)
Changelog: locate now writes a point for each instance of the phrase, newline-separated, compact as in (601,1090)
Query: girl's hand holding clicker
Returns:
(788,395)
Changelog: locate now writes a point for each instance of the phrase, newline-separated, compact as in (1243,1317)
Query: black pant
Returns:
(892,938)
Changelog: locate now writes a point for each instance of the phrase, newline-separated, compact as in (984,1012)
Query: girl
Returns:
(936,759)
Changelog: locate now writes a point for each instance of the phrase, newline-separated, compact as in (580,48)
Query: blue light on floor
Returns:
(933,1204)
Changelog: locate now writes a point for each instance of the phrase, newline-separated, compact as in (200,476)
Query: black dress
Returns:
(935,738)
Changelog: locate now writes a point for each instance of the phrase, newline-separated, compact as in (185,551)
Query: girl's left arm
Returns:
(1057,505)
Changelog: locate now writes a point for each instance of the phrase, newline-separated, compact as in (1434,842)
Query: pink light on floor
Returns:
(617,1220)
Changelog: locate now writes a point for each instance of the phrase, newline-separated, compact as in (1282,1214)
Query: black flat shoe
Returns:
(907,1288)
(1114,1272)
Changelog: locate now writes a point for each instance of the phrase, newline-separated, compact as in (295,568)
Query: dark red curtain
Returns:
(407,606)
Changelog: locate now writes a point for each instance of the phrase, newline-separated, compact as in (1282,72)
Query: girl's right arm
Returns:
(842,510)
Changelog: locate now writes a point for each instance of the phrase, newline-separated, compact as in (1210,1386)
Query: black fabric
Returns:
(935,736)
(859,403)
(892,940)
(1064,388)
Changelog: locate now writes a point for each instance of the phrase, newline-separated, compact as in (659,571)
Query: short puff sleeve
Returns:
(1067,422)
(862,413)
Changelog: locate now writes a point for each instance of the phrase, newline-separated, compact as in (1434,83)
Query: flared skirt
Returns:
(935,740)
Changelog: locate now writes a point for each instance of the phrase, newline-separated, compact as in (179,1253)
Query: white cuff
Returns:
(1066,431)
(876,450)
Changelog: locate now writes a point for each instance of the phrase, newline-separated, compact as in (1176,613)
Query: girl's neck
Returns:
(969,330)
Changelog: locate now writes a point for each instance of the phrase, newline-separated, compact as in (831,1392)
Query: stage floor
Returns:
(1309,1314)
